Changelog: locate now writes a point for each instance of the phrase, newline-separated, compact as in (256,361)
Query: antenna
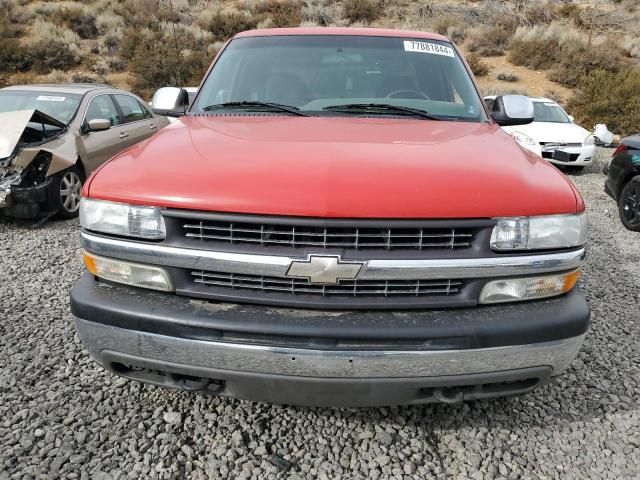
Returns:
(178,55)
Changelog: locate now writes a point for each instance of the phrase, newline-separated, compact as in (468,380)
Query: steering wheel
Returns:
(415,93)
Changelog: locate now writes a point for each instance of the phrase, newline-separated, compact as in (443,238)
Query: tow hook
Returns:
(440,395)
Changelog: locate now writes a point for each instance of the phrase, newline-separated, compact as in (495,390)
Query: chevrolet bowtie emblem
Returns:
(328,270)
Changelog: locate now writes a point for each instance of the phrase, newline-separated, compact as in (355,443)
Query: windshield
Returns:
(317,73)
(549,112)
(61,106)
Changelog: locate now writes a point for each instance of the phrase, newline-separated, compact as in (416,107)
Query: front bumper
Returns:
(584,154)
(310,357)
(24,202)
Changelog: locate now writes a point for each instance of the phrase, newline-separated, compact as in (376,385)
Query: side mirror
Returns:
(170,101)
(571,118)
(98,125)
(512,110)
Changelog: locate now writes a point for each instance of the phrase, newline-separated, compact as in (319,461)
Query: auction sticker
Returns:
(50,98)
(428,47)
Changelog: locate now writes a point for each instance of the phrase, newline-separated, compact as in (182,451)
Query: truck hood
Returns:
(335,167)
(14,124)
(549,132)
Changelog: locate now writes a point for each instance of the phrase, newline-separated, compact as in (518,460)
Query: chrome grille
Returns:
(300,236)
(346,288)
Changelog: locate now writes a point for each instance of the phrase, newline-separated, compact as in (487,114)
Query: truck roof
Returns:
(348,31)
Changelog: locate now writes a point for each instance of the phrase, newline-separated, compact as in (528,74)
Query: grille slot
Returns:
(346,288)
(301,236)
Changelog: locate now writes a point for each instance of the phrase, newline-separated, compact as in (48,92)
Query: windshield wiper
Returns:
(260,106)
(358,108)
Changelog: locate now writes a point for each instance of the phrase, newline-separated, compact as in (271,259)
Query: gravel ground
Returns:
(63,417)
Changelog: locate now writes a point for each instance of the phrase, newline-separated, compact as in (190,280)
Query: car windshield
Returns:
(341,75)
(549,112)
(61,106)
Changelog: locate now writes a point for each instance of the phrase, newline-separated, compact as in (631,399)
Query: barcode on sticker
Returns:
(427,47)
(50,98)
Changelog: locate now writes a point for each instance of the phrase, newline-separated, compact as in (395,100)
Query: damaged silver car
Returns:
(53,136)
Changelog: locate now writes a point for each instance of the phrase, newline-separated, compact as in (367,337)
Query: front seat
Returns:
(286,88)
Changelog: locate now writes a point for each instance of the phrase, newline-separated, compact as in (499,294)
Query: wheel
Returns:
(65,193)
(629,205)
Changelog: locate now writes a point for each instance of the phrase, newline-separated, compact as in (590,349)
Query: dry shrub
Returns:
(535,13)
(77,20)
(12,55)
(507,77)
(477,65)
(156,63)
(538,47)
(224,24)
(576,60)
(610,98)
(453,26)
(24,78)
(282,13)
(362,10)
(58,76)
(52,47)
(488,41)
(631,46)
(109,23)
(565,51)
(320,12)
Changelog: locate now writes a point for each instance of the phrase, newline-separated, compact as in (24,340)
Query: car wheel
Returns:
(629,205)
(65,195)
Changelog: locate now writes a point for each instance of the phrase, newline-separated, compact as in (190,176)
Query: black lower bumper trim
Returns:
(461,328)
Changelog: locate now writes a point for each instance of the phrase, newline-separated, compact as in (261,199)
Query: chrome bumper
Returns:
(353,364)
(373,269)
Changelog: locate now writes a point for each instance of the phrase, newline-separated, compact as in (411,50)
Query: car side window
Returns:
(147,112)
(130,108)
(102,107)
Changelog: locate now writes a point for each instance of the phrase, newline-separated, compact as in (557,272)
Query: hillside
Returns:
(570,51)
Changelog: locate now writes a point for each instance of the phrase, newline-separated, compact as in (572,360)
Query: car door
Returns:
(138,123)
(97,147)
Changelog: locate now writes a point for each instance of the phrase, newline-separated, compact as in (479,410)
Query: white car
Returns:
(553,135)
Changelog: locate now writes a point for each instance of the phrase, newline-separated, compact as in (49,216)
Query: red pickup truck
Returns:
(336,219)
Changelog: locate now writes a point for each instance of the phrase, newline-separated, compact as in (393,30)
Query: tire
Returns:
(629,205)
(64,196)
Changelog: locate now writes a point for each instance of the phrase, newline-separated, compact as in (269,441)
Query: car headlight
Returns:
(539,233)
(520,289)
(522,139)
(122,219)
(589,140)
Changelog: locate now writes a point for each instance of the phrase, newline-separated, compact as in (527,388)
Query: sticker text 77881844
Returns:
(428,47)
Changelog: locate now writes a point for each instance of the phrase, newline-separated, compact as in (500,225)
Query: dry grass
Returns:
(488,41)
(477,65)
(606,97)
(362,10)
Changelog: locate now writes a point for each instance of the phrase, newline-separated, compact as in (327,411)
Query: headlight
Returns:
(134,274)
(519,289)
(539,233)
(523,139)
(122,219)
(589,140)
